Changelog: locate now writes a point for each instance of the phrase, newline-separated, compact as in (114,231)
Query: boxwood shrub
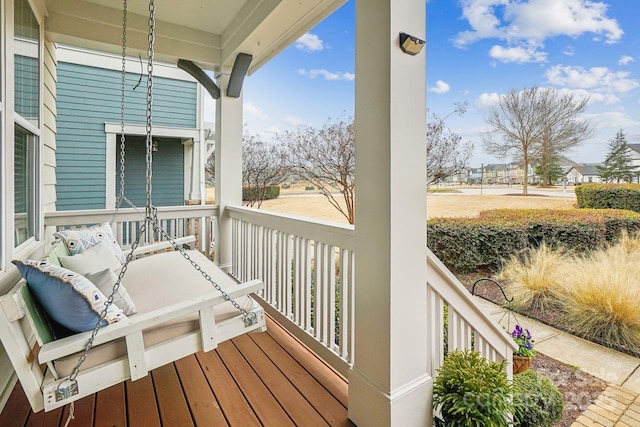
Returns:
(609,196)
(537,402)
(466,244)
(257,193)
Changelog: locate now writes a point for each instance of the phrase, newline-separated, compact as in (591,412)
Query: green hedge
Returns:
(609,196)
(466,244)
(259,193)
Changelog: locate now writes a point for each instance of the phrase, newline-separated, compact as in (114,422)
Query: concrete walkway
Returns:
(619,404)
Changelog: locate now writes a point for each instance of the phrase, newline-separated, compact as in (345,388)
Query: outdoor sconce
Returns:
(155,145)
(410,44)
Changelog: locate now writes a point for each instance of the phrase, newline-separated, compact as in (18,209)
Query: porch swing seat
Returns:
(178,314)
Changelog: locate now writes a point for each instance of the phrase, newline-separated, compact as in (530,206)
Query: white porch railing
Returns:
(467,325)
(177,221)
(307,267)
(308,270)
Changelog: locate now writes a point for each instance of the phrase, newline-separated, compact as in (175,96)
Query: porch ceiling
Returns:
(208,32)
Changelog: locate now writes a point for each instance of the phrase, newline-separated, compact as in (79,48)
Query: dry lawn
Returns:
(297,201)
(438,205)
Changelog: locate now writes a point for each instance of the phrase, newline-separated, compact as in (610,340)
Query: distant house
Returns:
(584,173)
(88,138)
(634,153)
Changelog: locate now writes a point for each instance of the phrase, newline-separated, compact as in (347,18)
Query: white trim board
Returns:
(110,61)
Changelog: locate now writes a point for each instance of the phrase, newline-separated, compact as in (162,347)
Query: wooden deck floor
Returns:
(267,379)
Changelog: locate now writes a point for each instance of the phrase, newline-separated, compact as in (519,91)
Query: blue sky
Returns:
(476,50)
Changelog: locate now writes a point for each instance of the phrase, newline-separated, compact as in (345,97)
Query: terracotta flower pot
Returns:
(521,363)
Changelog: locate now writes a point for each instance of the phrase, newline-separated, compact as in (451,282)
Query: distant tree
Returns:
(325,157)
(263,165)
(210,170)
(618,165)
(549,170)
(533,121)
(447,153)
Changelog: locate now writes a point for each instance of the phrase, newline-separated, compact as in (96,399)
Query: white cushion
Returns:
(93,260)
(104,280)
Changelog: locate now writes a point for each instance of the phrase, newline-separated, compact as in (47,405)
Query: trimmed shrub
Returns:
(537,402)
(609,196)
(466,244)
(260,193)
(471,391)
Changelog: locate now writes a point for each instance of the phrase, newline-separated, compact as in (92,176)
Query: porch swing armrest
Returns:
(161,246)
(141,321)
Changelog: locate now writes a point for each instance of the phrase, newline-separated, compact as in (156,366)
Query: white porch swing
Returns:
(178,312)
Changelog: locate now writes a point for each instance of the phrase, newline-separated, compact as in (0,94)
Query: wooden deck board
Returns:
(172,404)
(110,407)
(82,413)
(142,409)
(266,407)
(295,404)
(327,405)
(335,383)
(202,402)
(232,402)
(260,379)
(16,410)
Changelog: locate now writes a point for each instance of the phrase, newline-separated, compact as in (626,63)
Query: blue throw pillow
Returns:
(68,297)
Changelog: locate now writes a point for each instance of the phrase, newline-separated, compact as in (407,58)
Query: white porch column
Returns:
(389,384)
(228,166)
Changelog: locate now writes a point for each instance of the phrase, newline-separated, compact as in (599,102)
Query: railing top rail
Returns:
(464,303)
(333,233)
(95,216)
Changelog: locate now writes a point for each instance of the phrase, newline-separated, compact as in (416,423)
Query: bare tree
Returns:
(536,122)
(264,165)
(325,157)
(447,153)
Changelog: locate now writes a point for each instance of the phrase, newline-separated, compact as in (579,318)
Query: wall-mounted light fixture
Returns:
(155,145)
(410,44)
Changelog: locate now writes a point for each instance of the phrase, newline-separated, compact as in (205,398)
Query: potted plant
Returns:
(471,391)
(522,357)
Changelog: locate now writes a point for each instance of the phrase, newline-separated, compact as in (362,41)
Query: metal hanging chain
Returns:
(149,151)
(69,387)
(121,196)
(249,318)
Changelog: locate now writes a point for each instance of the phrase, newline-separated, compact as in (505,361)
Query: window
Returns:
(24,186)
(26,77)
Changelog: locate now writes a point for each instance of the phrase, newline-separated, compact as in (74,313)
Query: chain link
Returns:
(249,317)
(151,213)
(150,53)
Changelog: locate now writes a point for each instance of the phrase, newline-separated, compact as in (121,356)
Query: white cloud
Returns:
(613,120)
(518,54)
(625,59)
(487,100)
(293,121)
(527,24)
(327,74)
(569,51)
(268,134)
(440,87)
(251,109)
(597,79)
(309,43)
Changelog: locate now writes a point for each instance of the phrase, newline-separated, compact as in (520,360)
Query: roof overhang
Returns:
(210,33)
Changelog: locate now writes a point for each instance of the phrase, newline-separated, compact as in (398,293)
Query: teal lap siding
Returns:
(89,97)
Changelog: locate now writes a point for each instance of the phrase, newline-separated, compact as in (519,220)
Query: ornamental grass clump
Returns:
(471,391)
(536,278)
(602,296)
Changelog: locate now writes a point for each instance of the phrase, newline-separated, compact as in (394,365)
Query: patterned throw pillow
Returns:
(105,280)
(81,239)
(68,298)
